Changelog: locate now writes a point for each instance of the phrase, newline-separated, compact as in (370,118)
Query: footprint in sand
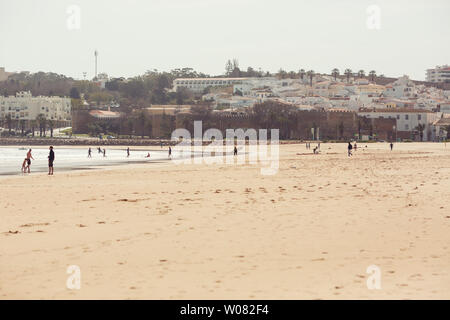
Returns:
(12,232)
(27,225)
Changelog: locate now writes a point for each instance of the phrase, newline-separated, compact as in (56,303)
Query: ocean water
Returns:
(11,158)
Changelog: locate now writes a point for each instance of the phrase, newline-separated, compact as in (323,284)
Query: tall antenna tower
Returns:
(96,54)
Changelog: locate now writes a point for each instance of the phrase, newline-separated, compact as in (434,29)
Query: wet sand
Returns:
(165,231)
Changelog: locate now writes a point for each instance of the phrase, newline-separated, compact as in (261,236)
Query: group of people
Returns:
(26,164)
(350,147)
(128,152)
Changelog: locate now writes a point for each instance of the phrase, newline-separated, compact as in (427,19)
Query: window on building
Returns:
(406,117)
(419,117)
(398,117)
(406,127)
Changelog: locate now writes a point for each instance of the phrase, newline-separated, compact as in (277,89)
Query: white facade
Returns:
(200,84)
(406,119)
(403,87)
(439,74)
(23,106)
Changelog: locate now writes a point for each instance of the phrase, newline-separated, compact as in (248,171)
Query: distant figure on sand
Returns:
(27,162)
(392,146)
(170,151)
(355,146)
(235,151)
(148,155)
(104,152)
(89,153)
(349,148)
(51,158)
(99,150)
(128,152)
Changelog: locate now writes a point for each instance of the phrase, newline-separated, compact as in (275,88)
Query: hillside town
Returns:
(332,106)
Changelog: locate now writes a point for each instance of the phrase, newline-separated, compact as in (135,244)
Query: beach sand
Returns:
(163,231)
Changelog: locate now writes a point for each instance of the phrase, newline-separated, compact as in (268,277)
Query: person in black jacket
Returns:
(51,158)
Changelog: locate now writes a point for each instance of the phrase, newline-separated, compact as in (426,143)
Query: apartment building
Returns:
(439,74)
(23,106)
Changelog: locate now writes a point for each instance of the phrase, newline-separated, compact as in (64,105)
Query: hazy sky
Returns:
(133,36)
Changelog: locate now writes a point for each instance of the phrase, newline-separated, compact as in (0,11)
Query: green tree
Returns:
(74,93)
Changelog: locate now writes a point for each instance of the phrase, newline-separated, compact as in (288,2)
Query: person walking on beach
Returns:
(148,155)
(27,162)
(235,151)
(170,151)
(51,158)
(104,152)
(89,153)
(128,152)
(355,146)
(99,150)
(349,148)
(392,146)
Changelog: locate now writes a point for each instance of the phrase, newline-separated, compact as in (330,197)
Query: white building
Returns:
(23,106)
(407,120)
(439,74)
(403,87)
(200,84)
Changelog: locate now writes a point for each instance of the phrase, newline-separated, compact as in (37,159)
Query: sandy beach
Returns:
(225,231)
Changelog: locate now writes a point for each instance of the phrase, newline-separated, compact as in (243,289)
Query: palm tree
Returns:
(33,126)
(9,122)
(420,128)
(51,125)
(22,126)
(310,74)
(372,75)
(302,73)
(42,121)
(335,73)
(361,73)
(348,73)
